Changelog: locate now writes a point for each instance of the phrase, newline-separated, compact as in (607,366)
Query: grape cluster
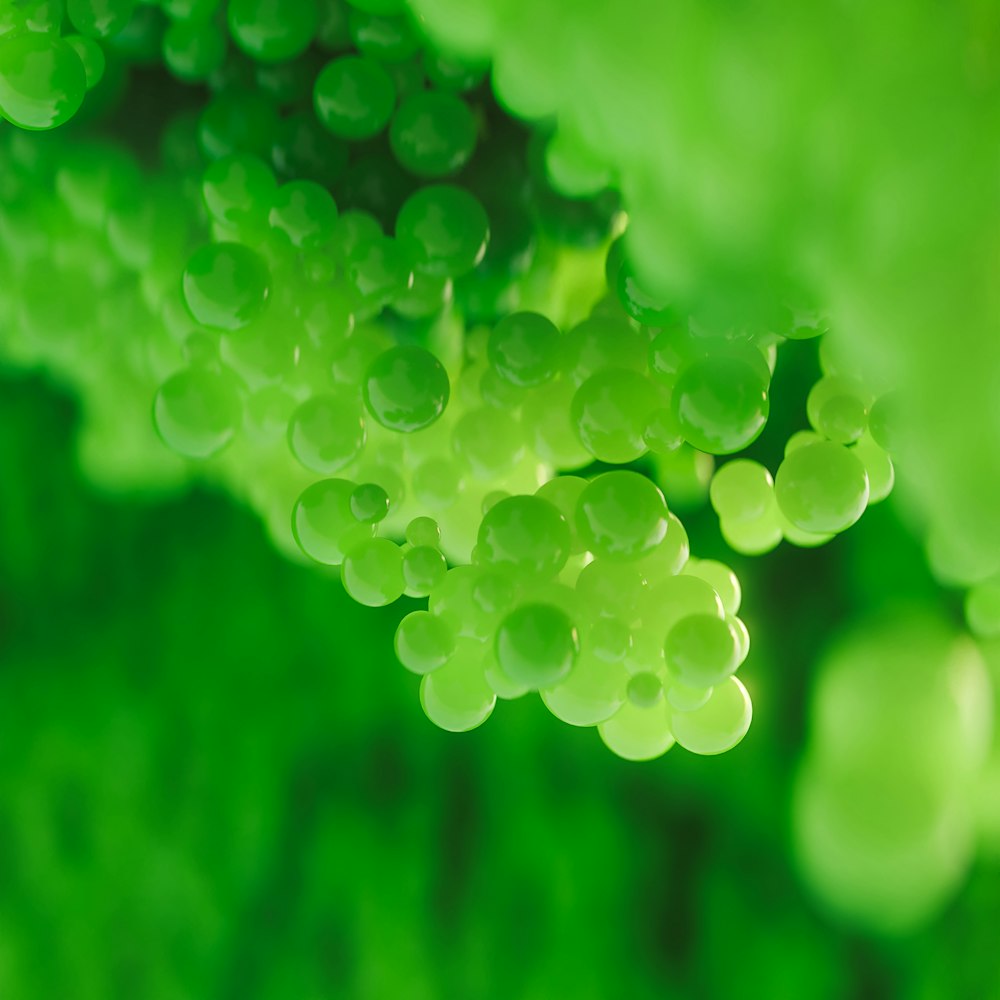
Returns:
(353,294)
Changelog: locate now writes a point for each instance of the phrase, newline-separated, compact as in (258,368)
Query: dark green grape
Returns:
(445,229)
(406,389)
(226,286)
(433,134)
(536,645)
(42,80)
(354,97)
(525,349)
(272,30)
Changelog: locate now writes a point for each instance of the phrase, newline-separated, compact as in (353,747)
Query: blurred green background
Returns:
(216,781)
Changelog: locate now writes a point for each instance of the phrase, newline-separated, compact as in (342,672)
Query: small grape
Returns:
(354,97)
(702,650)
(423,531)
(524,349)
(272,30)
(719,724)
(406,389)
(741,490)
(822,488)
(457,697)
(326,433)
(226,286)
(536,645)
(197,412)
(645,689)
(373,572)
(305,212)
(424,568)
(721,579)
(433,133)
(423,642)
(636,733)
(525,534)
(370,503)
(445,229)
(42,80)
(621,515)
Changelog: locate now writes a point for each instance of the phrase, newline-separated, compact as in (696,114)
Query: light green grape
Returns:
(719,724)
(822,488)
(326,433)
(611,411)
(525,535)
(721,579)
(537,645)
(197,412)
(424,568)
(423,530)
(373,572)
(636,733)
(669,557)
(323,523)
(456,697)
(370,503)
(665,604)
(741,491)
(702,650)
(226,286)
(524,349)
(305,212)
(878,465)
(423,642)
(644,689)
(621,516)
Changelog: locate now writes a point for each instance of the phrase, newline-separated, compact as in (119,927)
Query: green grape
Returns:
(237,190)
(433,134)
(663,433)
(621,516)
(602,342)
(91,55)
(822,488)
(497,392)
(610,412)
(644,689)
(753,538)
(379,271)
(388,39)
(444,228)
(842,419)
(197,412)
(546,416)
(665,604)
(796,536)
(719,724)
(683,698)
(272,30)
(42,80)
(536,645)
(527,535)
(423,531)
(742,636)
(572,166)
(406,389)
(982,609)
(305,212)
(721,404)
(354,97)
(669,557)
(832,387)
(323,524)
(878,465)
(326,433)
(671,351)
(563,492)
(288,83)
(637,302)
(635,733)
(423,642)
(332,32)
(501,685)
(524,349)
(606,587)
(373,572)
(591,693)
(882,422)
(609,639)
(370,503)
(702,650)
(488,447)
(99,18)
(193,50)
(800,439)
(456,697)
(424,568)
(267,413)
(721,579)
(226,286)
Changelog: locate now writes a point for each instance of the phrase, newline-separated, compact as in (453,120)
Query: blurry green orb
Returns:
(610,413)
(226,285)
(423,642)
(445,228)
(99,18)
(305,212)
(197,412)
(373,572)
(536,645)
(326,433)
(323,523)
(42,80)
(525,534)
(354,97)
(456,696)
(433,133)
(272,30)
(406,389)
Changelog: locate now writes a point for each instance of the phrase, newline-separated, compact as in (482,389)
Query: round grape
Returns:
(354,97)
(621,515)
(406,389)
(822,488)
(226,286)
(445,229)
(42,80)
(635,733)
(526,534)
(611,411)
(424,568)
(323,524)
(456,697)
(719,724)
(423,642)
(272,30)
(702,650)
(373,572)
(433,133)
(326,433)
(197,412)
(524,349)
(536,645)
(305,212)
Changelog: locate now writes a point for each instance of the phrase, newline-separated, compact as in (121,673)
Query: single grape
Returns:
(527,535)
(354,97)
(370,503)
(373,572)
(591,693)
(424,568)
(423,642)
(388,39)
(326,433)
(237,190)
(702,650)
(822,488)
(669,557)
(635,733)
(621,515)
(607,587)
(197,412)
(406,389)
(272,30)
(379,271)
(456,697)
(42,80)
(323,524)
(721,579)
(644,689)
(433,134)
(753,538)
(611,411)
(91,55)
(719,724)
(878,465)
(721,404)
(444,228)
(423,531)
(193,50)
(663,433)
(665,604)
(305,212)
(488,447)
(536,645)
(226,286)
